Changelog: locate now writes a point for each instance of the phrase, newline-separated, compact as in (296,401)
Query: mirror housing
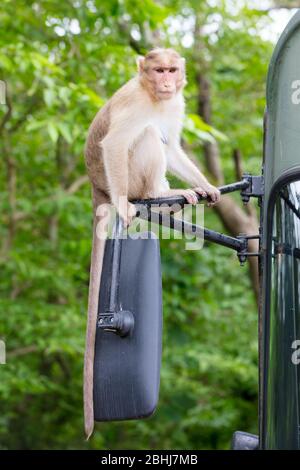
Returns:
(127,369)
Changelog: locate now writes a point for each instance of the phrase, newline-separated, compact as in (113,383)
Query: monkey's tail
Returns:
(98,245)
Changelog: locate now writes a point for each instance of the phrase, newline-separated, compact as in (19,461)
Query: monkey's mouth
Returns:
(166,92)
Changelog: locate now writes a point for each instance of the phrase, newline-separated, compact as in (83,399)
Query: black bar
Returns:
(116,253)
(290,204)
(185,227)
(224,240)
(286,249)
(181,201)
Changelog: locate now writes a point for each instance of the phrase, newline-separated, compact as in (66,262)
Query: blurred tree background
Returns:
(61,60)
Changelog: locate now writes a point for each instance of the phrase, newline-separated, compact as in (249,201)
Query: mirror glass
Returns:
(283,365)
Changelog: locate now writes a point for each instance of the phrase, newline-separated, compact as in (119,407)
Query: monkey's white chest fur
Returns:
(162,127)
(167,119)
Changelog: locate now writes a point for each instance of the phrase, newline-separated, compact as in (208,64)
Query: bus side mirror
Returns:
(127,368)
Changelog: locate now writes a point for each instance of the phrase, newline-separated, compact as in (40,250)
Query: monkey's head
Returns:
(162,73)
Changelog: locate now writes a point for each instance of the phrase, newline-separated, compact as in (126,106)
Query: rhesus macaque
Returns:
(135,138)
(132,142)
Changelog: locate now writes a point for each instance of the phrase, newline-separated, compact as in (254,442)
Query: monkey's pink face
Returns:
(165,80)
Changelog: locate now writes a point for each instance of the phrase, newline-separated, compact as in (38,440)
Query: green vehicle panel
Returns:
(280,245)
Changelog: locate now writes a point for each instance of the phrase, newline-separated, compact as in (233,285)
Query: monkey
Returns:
(131,144)
(135,137)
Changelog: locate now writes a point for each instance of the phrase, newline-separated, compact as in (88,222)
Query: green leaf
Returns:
(53,131)
(65,131)
(49,97)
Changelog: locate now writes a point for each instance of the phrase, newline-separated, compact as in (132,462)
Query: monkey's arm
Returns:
(115,157)
(116,147)
(181,166)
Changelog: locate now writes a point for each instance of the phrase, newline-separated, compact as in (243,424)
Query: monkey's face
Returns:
(163,73)
(165,80)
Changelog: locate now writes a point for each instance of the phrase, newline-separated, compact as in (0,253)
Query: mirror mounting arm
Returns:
(249,186)
(243,254)
(120,322)
(255,187)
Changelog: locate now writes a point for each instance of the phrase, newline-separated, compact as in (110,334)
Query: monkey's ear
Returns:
(140,63)
(182,62)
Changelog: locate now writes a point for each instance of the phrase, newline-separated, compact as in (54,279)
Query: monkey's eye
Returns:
(160,70)
(172,69)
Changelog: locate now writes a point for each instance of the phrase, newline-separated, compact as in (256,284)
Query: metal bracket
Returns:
(120,323)
(239,244)
(285,249)
(146,204)
(249,186)
(243,254)
(244,441)
(254,189)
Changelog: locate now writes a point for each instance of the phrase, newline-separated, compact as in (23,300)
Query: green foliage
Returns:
(61,61)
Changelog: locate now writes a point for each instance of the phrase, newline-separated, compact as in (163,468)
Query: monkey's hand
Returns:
(211,191)
(127,211)
(190,195)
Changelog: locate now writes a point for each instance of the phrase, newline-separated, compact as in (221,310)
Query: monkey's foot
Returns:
(127,212)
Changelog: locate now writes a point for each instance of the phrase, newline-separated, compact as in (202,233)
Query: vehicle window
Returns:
(283,392)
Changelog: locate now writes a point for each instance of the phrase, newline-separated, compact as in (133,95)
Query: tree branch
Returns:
(72,189)
(237,157)
(22,351)
(280,7)
(22,118)
(7,115)
(234,218)
(11,181)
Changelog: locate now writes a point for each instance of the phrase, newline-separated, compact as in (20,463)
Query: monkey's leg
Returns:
(98,246)
(147,165)
(147,170)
